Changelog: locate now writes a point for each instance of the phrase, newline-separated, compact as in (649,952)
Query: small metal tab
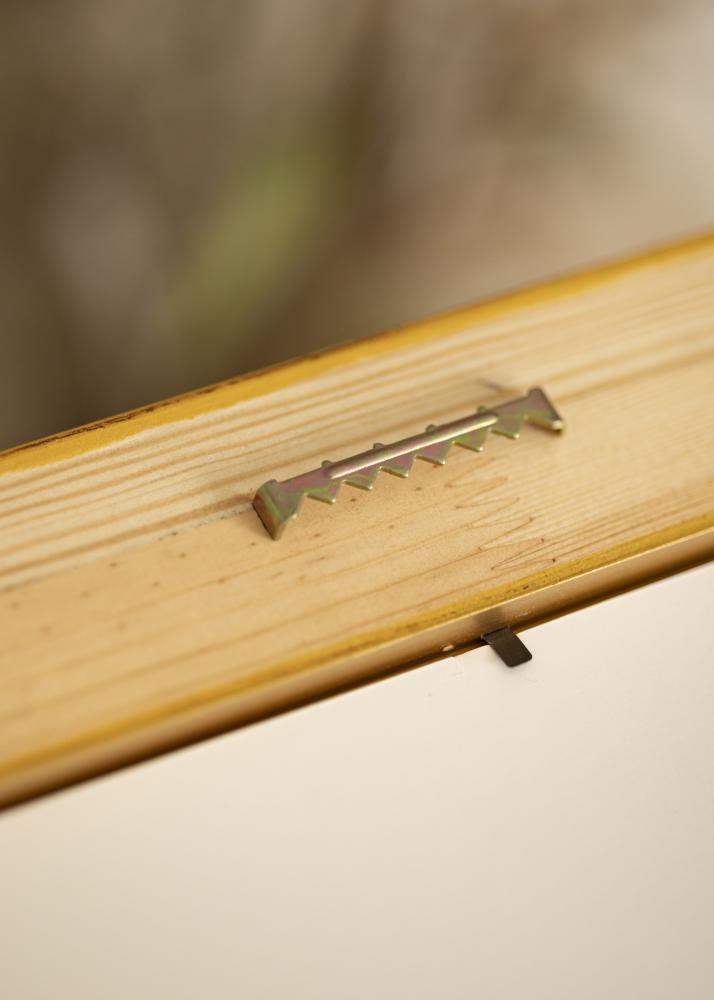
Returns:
(508,646)
(276,503)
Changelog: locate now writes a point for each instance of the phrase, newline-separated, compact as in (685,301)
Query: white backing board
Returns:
(459,831)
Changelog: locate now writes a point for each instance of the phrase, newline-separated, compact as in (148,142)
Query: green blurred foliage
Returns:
(189,191)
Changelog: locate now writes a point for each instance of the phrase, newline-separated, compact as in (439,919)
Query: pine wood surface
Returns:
(143,605)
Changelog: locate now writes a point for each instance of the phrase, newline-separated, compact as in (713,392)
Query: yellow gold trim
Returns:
(224,394)
(314,660)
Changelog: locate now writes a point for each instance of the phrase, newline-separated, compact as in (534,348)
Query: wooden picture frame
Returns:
(143,605)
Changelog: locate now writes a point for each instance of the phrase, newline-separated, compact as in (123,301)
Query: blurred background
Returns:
(192,190)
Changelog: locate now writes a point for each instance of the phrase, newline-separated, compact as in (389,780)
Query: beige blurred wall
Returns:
(188,191)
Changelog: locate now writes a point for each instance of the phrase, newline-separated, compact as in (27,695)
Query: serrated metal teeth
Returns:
(278,502)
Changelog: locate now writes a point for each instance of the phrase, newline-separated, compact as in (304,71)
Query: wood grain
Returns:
(143,605)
